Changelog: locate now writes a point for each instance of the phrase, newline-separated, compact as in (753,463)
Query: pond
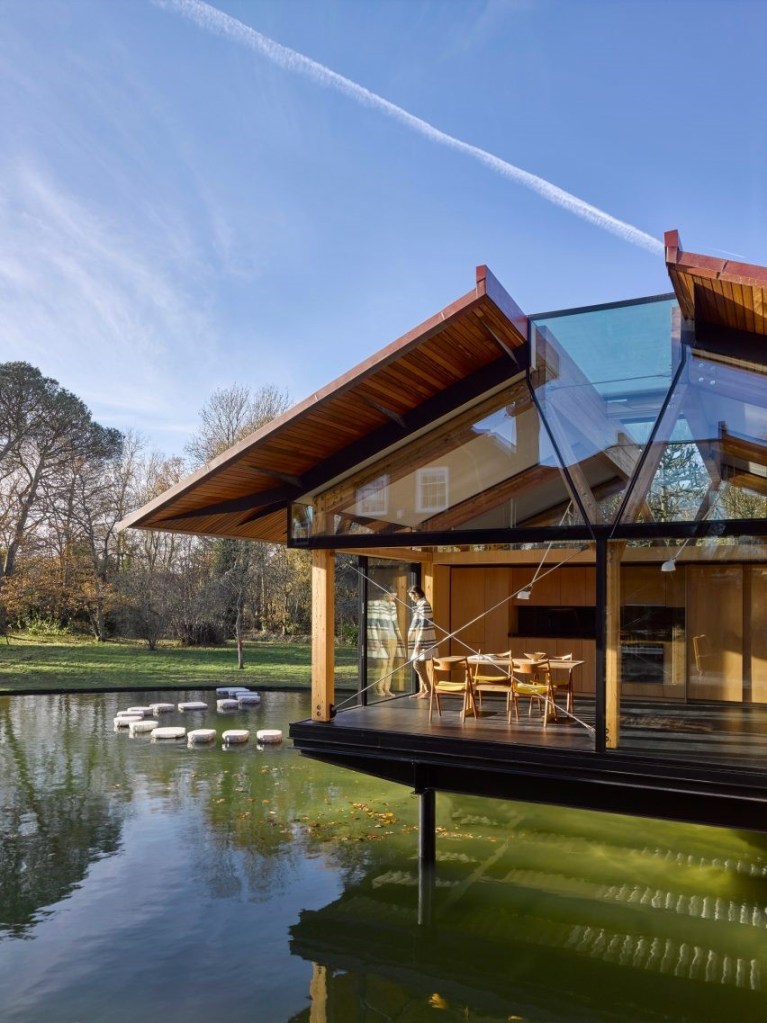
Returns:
(142,880)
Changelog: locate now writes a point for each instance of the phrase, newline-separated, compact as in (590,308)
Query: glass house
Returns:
(585,488)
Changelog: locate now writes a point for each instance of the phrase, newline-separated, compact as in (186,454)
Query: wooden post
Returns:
(613,644)
(323,634)
(427,578)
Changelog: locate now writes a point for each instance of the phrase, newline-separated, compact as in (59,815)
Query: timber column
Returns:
(323,634)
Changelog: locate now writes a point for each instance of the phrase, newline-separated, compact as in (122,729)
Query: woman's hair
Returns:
(416,592)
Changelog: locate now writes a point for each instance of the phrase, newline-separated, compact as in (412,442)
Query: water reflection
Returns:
(200,883)
(599,919)
(59,809)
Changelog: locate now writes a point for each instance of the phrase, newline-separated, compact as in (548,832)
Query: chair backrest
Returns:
(700,649)
(497,668)
(538,670)
(525,669)
(443,669)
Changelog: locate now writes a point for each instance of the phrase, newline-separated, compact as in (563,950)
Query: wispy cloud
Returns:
(215,21)
(81,299)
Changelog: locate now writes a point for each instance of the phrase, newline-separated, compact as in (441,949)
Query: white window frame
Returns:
(373,496)
(429,478)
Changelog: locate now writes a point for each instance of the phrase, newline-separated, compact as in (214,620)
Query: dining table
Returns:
(560,677)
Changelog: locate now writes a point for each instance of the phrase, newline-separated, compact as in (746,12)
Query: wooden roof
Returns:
(433,369)
(718,292)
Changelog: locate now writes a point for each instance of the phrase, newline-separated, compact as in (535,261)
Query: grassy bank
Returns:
(68,664)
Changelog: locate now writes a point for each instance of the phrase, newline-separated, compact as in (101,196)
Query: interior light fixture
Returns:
(670,565)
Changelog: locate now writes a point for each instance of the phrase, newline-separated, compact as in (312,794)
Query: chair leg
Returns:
(434,695)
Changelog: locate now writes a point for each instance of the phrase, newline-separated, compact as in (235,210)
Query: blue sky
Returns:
(180,210)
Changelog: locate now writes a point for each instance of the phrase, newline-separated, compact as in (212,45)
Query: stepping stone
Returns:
(269,735)
(235,736)
(169,733)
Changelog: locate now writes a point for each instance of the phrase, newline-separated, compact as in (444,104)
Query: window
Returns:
(432,489)
(373,497)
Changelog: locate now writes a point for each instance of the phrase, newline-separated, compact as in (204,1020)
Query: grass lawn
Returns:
(68,663)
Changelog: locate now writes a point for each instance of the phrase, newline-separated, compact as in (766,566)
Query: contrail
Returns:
(213,20)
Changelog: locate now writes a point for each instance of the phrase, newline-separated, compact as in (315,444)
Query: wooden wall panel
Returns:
(715,613)
(441,606)
(497,589)
(756,632)
(578,586)
(467,603)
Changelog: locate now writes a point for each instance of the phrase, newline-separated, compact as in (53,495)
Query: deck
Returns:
(701,763)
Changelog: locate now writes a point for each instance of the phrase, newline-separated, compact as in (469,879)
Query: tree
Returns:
(45,432)
(149,560)
(231,414)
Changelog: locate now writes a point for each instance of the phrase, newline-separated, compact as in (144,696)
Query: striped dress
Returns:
(421,636)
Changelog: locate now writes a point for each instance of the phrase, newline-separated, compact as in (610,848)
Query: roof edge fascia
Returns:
(486,285)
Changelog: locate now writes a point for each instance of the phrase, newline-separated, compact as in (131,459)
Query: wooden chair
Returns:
(702,653)
(533,679)
(495,676)
(566,684)
(443,685)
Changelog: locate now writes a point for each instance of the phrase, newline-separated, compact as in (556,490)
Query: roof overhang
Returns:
(726,300)
(441,365)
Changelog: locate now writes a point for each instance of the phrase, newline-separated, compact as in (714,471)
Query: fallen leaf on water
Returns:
(437,1002)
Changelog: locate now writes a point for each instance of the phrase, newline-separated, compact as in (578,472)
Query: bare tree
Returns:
(231,414)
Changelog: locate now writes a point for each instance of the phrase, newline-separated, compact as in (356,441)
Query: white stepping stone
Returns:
(227,705)
(235,736)
(145,712)
(267,735)
(248,699)
(231,690)
(193,705)
(162,708)
(123,719)
(144,725)
(200,735)
(169,733)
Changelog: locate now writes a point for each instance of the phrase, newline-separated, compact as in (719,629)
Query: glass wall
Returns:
(385,620)
(490,467)
(692,668)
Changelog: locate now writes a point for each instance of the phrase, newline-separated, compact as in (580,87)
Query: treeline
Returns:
(65,483)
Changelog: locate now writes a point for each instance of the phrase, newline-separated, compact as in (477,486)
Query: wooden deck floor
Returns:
(719,734)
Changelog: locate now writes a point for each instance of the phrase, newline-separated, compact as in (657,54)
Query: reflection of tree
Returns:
(57,812)
(267,814)
(680,484)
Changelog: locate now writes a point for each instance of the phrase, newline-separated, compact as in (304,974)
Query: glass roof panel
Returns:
(601,377)
(711,458)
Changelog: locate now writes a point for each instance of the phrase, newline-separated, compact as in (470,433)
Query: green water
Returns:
(157,882)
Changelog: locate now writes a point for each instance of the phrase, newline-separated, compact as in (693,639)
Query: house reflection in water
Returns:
(590,485)
(578,923)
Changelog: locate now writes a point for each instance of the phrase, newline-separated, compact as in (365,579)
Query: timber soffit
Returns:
(718,292)
(449,359)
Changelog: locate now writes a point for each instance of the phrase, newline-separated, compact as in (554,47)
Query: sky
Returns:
(266,192)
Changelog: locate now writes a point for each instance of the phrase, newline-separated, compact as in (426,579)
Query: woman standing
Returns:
(422,639)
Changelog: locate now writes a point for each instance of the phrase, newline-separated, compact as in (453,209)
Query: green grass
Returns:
(68,664)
